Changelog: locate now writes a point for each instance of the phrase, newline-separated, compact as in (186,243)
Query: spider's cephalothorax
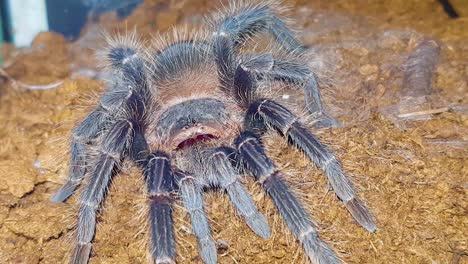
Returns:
(191,115)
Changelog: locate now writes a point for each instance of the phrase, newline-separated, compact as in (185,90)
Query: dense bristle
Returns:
(318,251)
(361,214)
(119,55)
(186,96)
(244,20)
(120,47)
(67,189)
(81,254)
(178,52)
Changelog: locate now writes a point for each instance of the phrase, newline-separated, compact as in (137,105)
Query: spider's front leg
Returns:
(264,111)
(86,132)
(240,83)
(159,177)
(128,87)
(108,157)
(191,191)
(219,172)
(223,174)
(161,185)
(253,157)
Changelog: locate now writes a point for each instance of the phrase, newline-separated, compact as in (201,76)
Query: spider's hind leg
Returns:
(243,20)
(123,105)
(296,74)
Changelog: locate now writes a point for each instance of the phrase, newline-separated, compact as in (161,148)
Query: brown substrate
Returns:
(413,173)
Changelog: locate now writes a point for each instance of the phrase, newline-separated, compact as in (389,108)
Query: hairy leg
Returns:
(288,124)
(225,176)
(191,192)
(243,21)
(87,131)
(123,105)
(161,185)
(109,155)
(128,92)
(254,158)
(299,75)
(235,79)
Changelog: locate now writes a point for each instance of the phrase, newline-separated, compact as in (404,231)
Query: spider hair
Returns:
(191,114)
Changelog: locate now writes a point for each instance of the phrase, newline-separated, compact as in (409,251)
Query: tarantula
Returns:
(191,114)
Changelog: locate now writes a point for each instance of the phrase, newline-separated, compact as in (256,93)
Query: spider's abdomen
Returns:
(184,69)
